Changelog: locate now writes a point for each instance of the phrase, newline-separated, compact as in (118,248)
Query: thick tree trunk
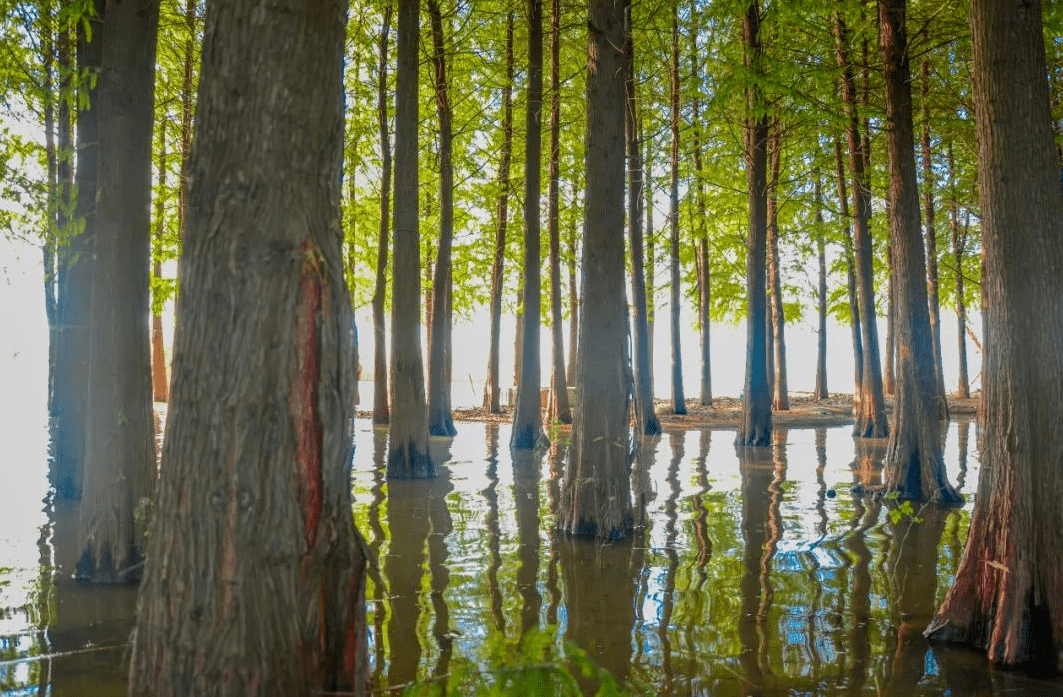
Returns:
(558,410)
(75,292)
(408,456)
(1007,596)
(492,387)
(645,415)
(820,389)
(259,432)
(704,275)
(914,467)
(527,414)
(596,496)
(119,430)
(870,421)
(160,382)
(850,274)
(440,420)
(780,391)
(381,408)
(678,399)
(755,428)
(959,244)
(931,244)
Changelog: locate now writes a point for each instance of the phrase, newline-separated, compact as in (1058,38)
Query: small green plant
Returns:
(902,510)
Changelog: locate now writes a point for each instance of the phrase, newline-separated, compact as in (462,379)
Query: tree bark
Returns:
(651,243)
(780,390)
(704,274)
(558,411)
(850,268)
(381,408)
(119,430)
(253,527)
(678,399)
(440,420)
(596,495)
(755,429)
(820,392)
(889,368)
(645,415)
(408,456)
(573,306)
(931,244)
(491,387)
(870,421)
(160,383)
(914,466)
(1007,595)
(527,414)
(959,245)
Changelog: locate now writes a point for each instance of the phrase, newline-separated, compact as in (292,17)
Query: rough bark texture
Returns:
(870,420)
(119,431)
(596,495)
(1007,597)
(889,367)
(440,420)
(704,274)
(850,273)
(408,456)
(755,428)
(820,389)
(253,531)
(492,389)
(75,292)
(160,382)
(914,465)
(645,414)
(931,242)
(558,408)
(381,407)
(527,414)
(678,399)
(959,245)
(780,400)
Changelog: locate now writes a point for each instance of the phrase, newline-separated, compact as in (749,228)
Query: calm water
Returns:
(754,575)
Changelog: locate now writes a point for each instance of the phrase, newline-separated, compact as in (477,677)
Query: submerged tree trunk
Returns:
(959,244)
(440,420)
(870,421)
(678,399)
(755,428)
(527,414)
(932,245)
(1007,597)
(559,411)
(408,456)
(850,274)
(914,466)
(381,409)
(645,415)
(780,391)
(492,387)
(119,431)
(704,276)
(820,389)
(596,495)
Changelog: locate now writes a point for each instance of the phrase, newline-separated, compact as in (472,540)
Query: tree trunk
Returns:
(870,421)
(645,415)
(119,430)
(75,293)
(755,428)
(558,411)
(959,244)
(50,234)
(596,495)
(931,245)
(780,390)
(527,414)
(573,307)
(160,383)
(914,467)
(408,456)
(850,268)
(704,275)
(820,392)
(1007,595)
(889,373)
(381,408)
(258,449)
(678,400)
(440,420)
(651,242)
(491,387)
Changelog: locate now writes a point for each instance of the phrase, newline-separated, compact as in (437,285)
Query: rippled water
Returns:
(756,573)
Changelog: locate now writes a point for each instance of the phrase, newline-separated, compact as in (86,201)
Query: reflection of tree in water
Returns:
(441,526)
(494,556)
(701,511)
(376,538)
(526,492)
(866,512)
(813,561)
(555,458)
(671,532)
(642,494)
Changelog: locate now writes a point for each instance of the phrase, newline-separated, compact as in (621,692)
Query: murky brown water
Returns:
(756,574)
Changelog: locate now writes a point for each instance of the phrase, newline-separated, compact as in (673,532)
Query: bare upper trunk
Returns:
(780,391)
(678,400)
(820,389)
(160,383)
(931,244)
(704,274)
(850,277)
(381,408)
(959,245)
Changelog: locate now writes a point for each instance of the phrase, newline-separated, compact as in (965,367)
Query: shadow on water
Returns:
(754,572)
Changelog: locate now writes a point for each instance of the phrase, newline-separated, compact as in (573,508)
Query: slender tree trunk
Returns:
(914,467)
(160,383)
(596,495)
(850,267)
(931,244)
(889,373)
(820,390)
(491,387)
(651,242)
(780,390)
(1007,597)
(678,399)
(703,272)
(188,108)
(408,456)
(50,234)
(755,429)
(440,421)
(870,421)
(959,244)
(64,181)
(275,557)
(381,408)
(527,415)
(559,411)
(573,307)
(645,415)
